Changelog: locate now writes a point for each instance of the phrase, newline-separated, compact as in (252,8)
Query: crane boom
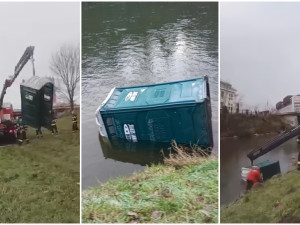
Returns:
(27,55)
(278,140)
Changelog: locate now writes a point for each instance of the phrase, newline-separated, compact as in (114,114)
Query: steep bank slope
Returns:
(160,194)
(276,200)
(245,125)
(39,181)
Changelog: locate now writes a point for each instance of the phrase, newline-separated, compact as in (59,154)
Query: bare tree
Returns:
(240,101)
(66,65)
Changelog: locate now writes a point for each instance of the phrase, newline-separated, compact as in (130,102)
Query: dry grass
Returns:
(160,194)
(183,156)
(182,190)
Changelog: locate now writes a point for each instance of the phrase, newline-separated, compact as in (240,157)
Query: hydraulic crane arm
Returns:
(28,55)
(278,140)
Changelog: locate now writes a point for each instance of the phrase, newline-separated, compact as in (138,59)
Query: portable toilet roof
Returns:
(180,92)
(36,82)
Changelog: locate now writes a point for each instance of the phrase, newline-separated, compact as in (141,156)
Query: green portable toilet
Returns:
(37,102)
(179,111)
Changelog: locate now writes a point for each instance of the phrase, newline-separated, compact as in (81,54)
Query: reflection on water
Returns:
(141,153)
(234,156)
(128,44)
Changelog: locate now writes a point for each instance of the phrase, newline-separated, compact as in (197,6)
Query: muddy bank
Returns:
(241,125)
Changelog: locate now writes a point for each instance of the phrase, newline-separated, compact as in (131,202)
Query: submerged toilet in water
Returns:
(179,111)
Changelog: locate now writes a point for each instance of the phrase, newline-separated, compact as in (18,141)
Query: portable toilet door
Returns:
(37,102)
(30,106)
(47,105)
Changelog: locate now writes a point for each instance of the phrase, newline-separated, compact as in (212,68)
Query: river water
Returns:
(128,44)
(234,156)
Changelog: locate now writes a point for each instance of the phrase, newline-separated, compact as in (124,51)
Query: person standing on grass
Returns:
(53,125)
(38,132)
(298,167)
(74,122)
(21,130)
(21,134)
(298,140)
(253,177)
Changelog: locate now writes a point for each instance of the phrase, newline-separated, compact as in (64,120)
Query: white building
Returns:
(228,97)
(290,104)
(289,107)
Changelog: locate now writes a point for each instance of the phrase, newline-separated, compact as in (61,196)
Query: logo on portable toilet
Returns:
(131,96)
(127,132)
(130,132)
(128,96)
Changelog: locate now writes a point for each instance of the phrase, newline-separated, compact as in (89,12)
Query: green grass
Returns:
(39,181)
(277,200)
(160,194)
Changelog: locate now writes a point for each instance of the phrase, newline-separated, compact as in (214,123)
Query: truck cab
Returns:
(7,125)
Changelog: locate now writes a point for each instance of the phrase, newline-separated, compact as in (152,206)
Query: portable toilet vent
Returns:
(37,102)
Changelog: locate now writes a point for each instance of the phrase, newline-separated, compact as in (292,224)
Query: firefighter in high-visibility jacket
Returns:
(298,167)
(253,177)
(21,130)
(53,126)
(21,134)
(298,140)
(298,163)
(74,122)
(38,132)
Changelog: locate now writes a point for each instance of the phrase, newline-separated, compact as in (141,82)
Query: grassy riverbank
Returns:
(180,191)
(39,181)
(275,201)
(242,125)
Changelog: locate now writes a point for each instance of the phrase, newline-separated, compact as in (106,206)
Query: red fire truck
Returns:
(7,120)
(7,127)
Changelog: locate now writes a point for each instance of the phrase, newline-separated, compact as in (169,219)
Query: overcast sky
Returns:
(260,50)
(46,26)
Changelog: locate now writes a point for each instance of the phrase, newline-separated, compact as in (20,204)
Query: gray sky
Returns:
(260,50)
(46,26)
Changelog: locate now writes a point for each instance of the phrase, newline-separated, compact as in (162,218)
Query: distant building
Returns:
(264,113)
(228,97)
(289,107)
(289,104)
